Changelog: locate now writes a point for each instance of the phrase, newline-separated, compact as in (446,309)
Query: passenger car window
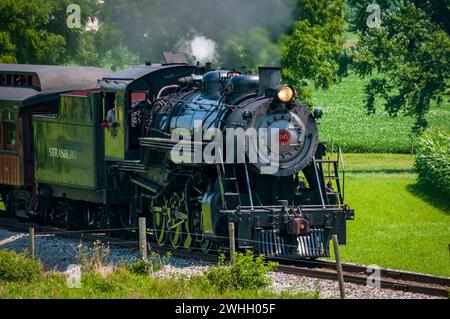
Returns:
(9,129)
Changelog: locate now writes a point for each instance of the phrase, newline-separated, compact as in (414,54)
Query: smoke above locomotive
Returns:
(149,29)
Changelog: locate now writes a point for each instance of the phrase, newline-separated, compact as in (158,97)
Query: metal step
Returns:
(231,194)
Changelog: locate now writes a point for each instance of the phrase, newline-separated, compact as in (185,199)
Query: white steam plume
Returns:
(198,48)
(203,49)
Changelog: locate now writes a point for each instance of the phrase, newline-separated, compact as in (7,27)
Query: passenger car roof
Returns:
(52,80)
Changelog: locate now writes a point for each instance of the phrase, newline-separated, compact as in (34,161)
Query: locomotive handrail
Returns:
(319,185)
(168,141)
(341,160)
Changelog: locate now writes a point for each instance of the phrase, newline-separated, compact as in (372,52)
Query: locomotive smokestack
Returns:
(269,78)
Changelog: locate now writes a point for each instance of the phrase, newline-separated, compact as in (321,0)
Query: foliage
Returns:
(312,50)
(254,48)
(148,266)
(93,260)
(6,49)
(410,55)
(235,53)
(437,10)
(433,160)
(36,32)
(18,267)
(247,272)
(358,12)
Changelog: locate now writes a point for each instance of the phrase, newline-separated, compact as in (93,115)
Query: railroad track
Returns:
(322,269)
(388,279)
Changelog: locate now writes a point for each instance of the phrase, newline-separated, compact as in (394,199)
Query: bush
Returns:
(18,267)
(247,272)
(94,259)
(148,266)
(433,160)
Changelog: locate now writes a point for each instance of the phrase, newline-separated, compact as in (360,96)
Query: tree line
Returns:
(406,56)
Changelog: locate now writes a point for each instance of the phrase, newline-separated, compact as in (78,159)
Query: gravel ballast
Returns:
(58,254)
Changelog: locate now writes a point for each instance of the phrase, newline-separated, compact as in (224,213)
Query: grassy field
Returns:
(346,121)
(123,285)
(397,225)
(21,277)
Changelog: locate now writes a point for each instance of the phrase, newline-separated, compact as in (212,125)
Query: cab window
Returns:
(110,100)
(137,97)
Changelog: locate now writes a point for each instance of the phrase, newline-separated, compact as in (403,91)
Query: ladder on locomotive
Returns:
(229,184)
(333,175)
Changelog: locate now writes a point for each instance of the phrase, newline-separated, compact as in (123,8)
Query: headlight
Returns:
(285,93)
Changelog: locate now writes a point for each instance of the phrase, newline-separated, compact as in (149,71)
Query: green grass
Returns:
(122,284)
(398,224)
(346,120)
(246,278)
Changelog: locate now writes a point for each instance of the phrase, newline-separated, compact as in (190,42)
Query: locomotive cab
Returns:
(126,95)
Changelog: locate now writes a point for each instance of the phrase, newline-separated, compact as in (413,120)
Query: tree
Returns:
(6,49)
(36,31)
(313,48)
(408,58)
(437,11)
(359,14)
(235,54)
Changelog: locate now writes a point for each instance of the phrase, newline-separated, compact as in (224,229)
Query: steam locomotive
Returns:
(193,150)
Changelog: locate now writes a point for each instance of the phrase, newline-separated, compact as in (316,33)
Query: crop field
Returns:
(346,121)
(397,224)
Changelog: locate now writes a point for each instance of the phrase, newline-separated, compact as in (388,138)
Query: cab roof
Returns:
(120,80)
